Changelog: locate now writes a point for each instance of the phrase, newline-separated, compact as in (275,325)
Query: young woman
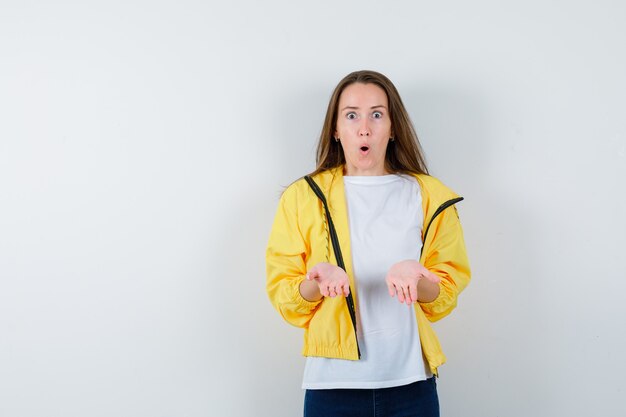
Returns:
(369,344)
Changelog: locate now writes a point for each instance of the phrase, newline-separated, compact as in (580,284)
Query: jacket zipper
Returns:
(349,299)
(339,257)
(439,210)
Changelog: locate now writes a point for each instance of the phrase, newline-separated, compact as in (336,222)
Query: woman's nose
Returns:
(364,129)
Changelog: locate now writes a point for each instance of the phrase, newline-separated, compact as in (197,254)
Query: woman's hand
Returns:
(330,279)
(412,282)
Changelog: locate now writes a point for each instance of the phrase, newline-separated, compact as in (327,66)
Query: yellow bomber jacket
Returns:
(300,239)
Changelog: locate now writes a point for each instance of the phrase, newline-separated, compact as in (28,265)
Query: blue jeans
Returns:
(418,399)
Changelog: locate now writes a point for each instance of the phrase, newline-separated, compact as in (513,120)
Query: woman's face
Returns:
(364,128)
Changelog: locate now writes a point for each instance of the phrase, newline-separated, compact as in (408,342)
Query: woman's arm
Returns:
(285,263)
(445,256)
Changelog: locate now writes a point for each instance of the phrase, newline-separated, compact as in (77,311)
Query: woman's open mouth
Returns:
(364,149)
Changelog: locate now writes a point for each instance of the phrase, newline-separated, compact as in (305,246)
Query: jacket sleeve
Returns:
(286,263)
(446,256)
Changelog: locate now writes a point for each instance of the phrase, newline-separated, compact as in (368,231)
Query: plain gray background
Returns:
(144,145)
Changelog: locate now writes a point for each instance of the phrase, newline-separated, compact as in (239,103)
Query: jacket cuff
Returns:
(440,306)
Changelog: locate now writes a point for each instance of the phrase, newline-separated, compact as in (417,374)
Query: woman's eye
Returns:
(351,115)
(377,115)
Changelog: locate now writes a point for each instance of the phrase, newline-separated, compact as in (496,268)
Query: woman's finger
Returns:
(346,289)
(400,293)
(312,274)
(324,290)
(407,295)
(413,292)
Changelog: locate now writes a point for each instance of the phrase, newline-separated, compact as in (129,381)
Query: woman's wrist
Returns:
(310,291)
(427,291)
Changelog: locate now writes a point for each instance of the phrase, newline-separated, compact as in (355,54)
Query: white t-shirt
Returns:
(386,220)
